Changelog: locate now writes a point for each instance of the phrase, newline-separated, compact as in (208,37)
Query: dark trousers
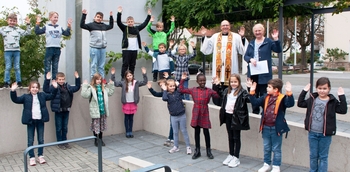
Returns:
(61,123)
(128,122)
(129,61)
(234,137)
(259,91)
(197,132)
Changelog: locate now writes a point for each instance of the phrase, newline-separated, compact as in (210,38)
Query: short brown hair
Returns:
(162,44)
(129,18)
(60,74)
(276,83)
(99,13)
(12,16)
(51,13)
(323,81)
(32,83)
(161,81)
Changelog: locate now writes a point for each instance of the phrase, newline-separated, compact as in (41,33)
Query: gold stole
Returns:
(228,62)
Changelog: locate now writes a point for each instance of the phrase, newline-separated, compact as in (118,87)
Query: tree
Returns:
(334,54)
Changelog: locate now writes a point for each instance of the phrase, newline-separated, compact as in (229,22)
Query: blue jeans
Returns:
(39,126)
(97,61)
(179,123)
(171,132)
(15,56)
(61,123)
(185,96)
(319,149)
(272,143)
(52,56)
(128,122)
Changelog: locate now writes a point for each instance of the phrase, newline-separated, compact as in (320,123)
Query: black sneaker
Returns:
(19,85)
(6,85)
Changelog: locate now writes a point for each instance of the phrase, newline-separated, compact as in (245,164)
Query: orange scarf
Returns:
(228,61)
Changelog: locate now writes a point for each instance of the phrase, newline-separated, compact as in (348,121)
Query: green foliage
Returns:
(334,54)
(127,170)
(199,57)
(324,68)
(341,68)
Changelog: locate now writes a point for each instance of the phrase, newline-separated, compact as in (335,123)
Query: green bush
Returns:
(324,68)
(341,68)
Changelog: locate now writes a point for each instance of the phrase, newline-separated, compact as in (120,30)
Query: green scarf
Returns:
(100,101)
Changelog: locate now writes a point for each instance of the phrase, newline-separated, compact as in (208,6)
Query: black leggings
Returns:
(197,132)
(234,137)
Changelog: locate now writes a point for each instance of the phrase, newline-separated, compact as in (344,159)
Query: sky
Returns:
(22,6)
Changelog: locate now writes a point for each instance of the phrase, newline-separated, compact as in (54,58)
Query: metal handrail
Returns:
(154,167)
(99,148)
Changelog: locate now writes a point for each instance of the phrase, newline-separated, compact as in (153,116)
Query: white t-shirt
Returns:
(230,103)
(36,112)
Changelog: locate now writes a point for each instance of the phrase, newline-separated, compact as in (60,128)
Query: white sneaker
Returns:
(275,168)
(228,159)
(265,168)
(234,163)
(174,149)
(189,151)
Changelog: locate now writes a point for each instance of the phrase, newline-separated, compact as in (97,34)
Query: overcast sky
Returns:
(22,6)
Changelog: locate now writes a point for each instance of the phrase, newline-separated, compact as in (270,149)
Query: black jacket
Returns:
(240,118)
(333,106)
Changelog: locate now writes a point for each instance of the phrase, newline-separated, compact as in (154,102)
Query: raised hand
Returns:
(144,44)
(340,91)
(149,11)
(193,44)
(165,74)
(113,71)
(84,11)
(149,84)
(249,83)
(241,31)
(120,9)
(48,75)
(288,86)
(307,87)
(76,74)
(164,87)
(171,43)
(152,19)
(27,20)
(14,86)
(203,30)
(54,83)
(111,13)
(184,75)
(215,80)
(69,21)
(274,34)
(172,18)
(143,70)
(183,42)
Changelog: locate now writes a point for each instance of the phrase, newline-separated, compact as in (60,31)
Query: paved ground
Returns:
(148,146)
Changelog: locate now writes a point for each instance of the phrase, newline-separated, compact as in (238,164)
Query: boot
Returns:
(96,143)
(100,136)
(209,155)
(197,153)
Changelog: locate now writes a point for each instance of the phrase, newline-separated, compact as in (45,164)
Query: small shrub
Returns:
(341,68)
(324,68)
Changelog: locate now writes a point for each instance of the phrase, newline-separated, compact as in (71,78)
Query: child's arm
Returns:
(253,100)
(39,30)
(145,80)
(116,83)
(69,25)
(193,45)
(28,30)
(110,88)
(83,25)
(119,20)
(111,21)
(52,95)
(289,98)
(77,82)
(13,95)
(149,29)
(181,85)
(172,27)
(341,106)
(46,87)
(144,24)
(154,93)
(165,93)
(149,52)
(86,90)
(302,103)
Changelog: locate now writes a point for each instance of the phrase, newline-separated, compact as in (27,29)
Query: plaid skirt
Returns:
(129,108)
(99,124)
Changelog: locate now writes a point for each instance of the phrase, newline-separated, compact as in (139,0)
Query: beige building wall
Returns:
(336,32)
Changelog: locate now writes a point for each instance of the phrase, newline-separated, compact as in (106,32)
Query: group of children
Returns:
(321,105)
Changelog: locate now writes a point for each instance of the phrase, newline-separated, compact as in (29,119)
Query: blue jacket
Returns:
(27,101)
(264,54)
(56,102)
(282,103)
(175,105)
